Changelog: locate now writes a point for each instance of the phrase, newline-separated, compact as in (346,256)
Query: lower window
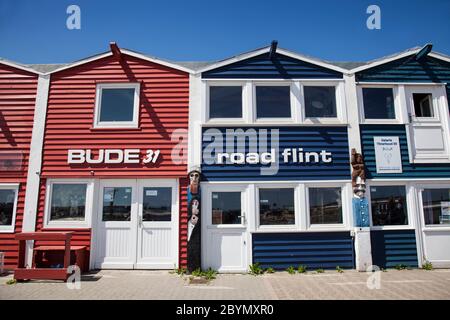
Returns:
(68,202)
(117,203)
(226,208)
(388,205)
(325,205)
(157,204)
(276,206)
(7,209)
(436,206)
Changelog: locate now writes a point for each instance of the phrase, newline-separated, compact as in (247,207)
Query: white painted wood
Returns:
(363,257)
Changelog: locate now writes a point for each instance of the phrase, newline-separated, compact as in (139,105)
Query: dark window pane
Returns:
(117,203)
(436,206)
(388,205)
(226,208)
(7,198)
(320,102)
(225,102)
(117,105)
(157,204)
(68,202)
(276,206)
(378,103)
(423,106)
(325,205)
(273,102)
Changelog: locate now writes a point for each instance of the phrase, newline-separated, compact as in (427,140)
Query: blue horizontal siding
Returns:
(394,247)
(314,250)
(262,67)
(409,70)
(410,170)
(311,139)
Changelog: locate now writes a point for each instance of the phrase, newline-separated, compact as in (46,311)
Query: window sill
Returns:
(436,228)
(397,227)
(67,225)
(115,128)
(7,230)
(328,227)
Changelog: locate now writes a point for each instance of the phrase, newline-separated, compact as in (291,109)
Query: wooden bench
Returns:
(24,273)
(79,251)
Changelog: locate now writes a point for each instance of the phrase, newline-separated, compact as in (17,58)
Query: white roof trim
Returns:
(386,60)
(18,66)
(255,53)
(127,52)
(439,56)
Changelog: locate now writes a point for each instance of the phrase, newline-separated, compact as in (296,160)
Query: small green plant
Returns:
(197,272)
(180,271)
(339,269)
(255,269)
(427,265)
(290,270)
(270,270)
(401,266)
(301,269)
(11,282)
(210,274)
(320,270)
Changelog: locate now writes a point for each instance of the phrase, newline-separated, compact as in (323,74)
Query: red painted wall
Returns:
(164,101)
(17,102)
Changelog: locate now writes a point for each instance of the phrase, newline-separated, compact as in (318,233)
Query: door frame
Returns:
(175,184)
(206,203)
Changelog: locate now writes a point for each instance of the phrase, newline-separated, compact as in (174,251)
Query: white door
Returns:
(428,127)
(434,204)
(116,225)
(157,235)
(224,229)
(137,224)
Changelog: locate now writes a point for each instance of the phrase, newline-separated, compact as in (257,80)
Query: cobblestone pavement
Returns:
(108,284)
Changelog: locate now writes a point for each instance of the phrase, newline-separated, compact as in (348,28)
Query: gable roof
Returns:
(20,66)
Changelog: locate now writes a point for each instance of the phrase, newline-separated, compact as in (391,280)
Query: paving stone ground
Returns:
(108,284)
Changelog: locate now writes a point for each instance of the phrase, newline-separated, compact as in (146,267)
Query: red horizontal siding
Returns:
(164,100)
(17,101)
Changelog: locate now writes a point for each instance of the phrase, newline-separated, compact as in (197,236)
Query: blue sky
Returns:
(198,30)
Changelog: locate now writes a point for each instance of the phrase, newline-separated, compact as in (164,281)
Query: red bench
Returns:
(24,273)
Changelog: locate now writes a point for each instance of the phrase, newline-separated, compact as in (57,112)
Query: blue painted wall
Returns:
(332,139)
(313,249)
(394,247)
(262,67)
(410,170)
(409,70)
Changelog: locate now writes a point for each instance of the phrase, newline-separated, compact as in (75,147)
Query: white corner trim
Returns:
(195,119)
(35,158)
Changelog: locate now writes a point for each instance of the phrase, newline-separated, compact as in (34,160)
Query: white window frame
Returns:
(409,193)
(420,188)
(117,124)
(245,110)
(341,112)
(277,227)
(86,223)
(346,210)
(399,107)
(15,187)
(292,97)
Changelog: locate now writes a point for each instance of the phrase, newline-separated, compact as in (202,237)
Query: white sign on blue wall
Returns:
(387,154)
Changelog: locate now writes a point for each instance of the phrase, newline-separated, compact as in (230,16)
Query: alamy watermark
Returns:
(73,21)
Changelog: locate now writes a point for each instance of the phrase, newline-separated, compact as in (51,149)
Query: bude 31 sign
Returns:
(112,156)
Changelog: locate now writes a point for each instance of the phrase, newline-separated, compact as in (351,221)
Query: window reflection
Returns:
(117,203)
(325,205)
(388,205)
(226,208)
(276,206)
(436,206)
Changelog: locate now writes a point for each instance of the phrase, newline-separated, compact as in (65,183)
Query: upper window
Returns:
(117,105)
(320,101)
(423,105)
(276,206)
(7,209)
(117,203)
(157,204)
(378,103)
(226,208)
(225,102)
(436,206)
(325,205)
(68,202)
(388,205)
(273,101)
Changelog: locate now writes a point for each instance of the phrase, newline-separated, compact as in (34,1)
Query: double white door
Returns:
(137,224)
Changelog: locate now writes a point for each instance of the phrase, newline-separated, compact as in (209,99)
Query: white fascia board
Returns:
(235,59)
(439,56)
(312,61)
(384,61)
(18,66)
(78,63)
(157,61)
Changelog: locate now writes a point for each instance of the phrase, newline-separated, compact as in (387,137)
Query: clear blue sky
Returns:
(34,31)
